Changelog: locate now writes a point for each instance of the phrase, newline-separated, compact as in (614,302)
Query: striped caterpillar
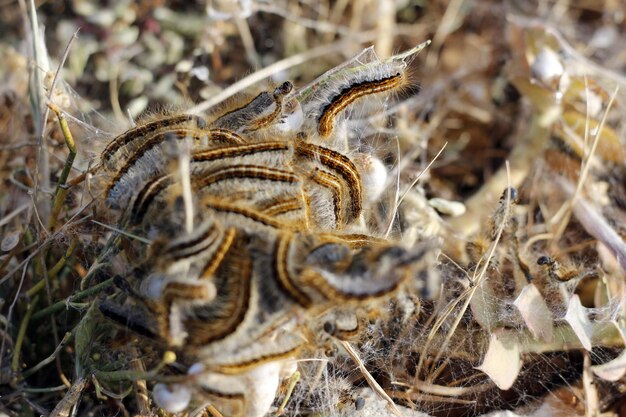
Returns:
(276,205)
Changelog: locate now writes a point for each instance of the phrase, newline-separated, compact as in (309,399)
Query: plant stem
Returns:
(19,341)
(61,191)
(59,305)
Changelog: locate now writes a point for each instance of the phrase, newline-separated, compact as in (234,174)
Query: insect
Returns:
(256,218)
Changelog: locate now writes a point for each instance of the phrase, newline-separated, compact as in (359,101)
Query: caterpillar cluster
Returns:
(256,221)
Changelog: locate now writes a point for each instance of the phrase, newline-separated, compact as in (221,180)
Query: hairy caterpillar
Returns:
(276,208)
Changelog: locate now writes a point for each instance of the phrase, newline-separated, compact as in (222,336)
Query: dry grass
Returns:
(520,96)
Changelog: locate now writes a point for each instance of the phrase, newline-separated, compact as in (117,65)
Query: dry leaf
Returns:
(535,313)
(502,361)
(10,241)
(577,318)
(609,148)
(484,307)
(613,370)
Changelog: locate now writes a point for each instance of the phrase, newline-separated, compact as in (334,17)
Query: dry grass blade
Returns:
(410,187)
(475,281)
(70,400)
(562,217)
(369,378)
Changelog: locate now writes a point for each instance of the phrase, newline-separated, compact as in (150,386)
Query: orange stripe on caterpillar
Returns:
(352,93)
